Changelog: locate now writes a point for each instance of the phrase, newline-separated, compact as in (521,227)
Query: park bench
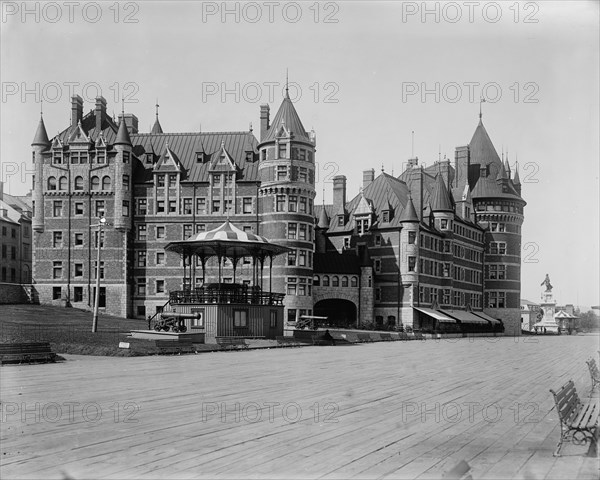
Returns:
(285,341)
(174,346)
(594,373)
(26,352)
(364,337)
(578,421)
(231,343)
(459,472)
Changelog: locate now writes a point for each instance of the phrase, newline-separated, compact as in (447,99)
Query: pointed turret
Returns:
(409,214)
(288,119)
(502,173)
(323,219)
(156,128)
(41,136)
(481,148)
(440,198)
(122,134)
(516,179)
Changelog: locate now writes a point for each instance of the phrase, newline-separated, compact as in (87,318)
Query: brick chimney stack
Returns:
(76,110)
(368,177)
(264,120)
(339,193)
(100,112)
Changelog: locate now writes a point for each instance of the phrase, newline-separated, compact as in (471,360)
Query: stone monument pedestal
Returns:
(548,306)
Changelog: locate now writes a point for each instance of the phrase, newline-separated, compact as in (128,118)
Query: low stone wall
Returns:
(13,293)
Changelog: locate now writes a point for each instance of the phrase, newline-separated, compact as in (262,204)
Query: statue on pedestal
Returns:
(547,283)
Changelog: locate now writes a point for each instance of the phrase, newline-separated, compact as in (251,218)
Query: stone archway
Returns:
(340,312)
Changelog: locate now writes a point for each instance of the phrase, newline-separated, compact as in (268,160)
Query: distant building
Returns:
(446,238)
(530,314)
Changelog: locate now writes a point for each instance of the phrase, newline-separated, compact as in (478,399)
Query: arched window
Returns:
(344,281)
(106,183)
(325,280)
(78,183)
(316,280)
(354,282)
(51,183)
(335,281)
(95,183)
(62,183)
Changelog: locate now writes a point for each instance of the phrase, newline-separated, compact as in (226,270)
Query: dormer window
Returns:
(386,216)
(57,158)
(160,180)
(249,156)
(282,150)
(217,179)
(172,180)
(100,157)
(362,225)
(340,220)
(149,158)
(444,224)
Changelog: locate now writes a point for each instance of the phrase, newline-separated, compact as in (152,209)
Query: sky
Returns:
(363,75)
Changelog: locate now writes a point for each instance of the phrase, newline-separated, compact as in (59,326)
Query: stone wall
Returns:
(13,293)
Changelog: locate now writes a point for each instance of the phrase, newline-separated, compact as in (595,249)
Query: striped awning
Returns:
(439,316)
(485,316)
(226,241)
(465,317)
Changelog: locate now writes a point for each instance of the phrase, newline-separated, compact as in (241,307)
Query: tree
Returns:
(587,321)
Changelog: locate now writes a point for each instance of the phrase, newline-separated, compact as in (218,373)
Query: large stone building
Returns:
(406,249)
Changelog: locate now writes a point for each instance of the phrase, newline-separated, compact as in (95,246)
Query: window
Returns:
(78,183)
(316,280)
(325,280)
(354,282)
(78,270)
(302,232)
(51,183)
(106,183)
(100,157)
(142,206)
(201,206)
(160,206)
(95,183)
(160,258)
(292,258)
(100,208)
(291,315)
(302,287)
(282,150)
(291,286)
(386,216)
(216,206)
(101,269)
(160,180)
(216,179)
(141,232)
(78,294)
(302,174)
(187,206)
(200,227)
(160,232)
(302,208)
(497,248)
(125,208)
(292,203)
(172,180)
(141,286)
(187,231)
(362,225)
(57,239)
(281,172)
(444,224)
(79,239)
(247,205)
(379,319)
(78,208)
(497,272)
(292,231)
(160,286)
(377,264)
(172,206)
(273,319)
(335,281)
(412,263)
(497,300)
(56,293)
(412,236)
(57,208)
(126,182)
(302,258)
(280,203)
(141,258)
(240,318)
(344,281)
(56,269)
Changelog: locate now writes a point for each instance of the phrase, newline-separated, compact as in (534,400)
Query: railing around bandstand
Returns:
(225,295)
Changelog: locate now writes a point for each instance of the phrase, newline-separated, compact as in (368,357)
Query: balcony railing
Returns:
(226,293)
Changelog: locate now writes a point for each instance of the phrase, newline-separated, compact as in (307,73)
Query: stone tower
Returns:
(286,196)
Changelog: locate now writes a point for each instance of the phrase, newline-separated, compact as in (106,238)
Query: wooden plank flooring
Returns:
(383,410)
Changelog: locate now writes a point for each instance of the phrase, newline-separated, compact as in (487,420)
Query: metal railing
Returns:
(226,294)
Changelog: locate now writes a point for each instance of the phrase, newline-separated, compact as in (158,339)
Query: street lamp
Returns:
(102,223)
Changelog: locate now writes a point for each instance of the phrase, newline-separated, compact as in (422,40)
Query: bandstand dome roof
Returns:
(226,241)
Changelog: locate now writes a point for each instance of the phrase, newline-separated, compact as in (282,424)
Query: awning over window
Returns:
(466,317)
(439,316)
(486,317)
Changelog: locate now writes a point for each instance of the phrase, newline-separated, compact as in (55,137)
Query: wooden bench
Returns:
(578,421)
(459,472)
(232,343)
(174,346)
(594,373)
(26,352)
(287,341)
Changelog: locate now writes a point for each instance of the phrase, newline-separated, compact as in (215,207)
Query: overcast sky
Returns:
(364,75)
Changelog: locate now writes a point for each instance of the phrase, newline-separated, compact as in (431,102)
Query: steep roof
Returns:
(440,200)
(41,137)
(156,128)
(19,203)
(286,117)
(13,216)
(481,147)
(122,135)
(323,219)
(409,214)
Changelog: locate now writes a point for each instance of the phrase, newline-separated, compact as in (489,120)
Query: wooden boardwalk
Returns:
(383,410)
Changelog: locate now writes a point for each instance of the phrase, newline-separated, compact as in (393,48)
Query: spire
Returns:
(156,128)
(481,100)
(508,165)
(122,134)
(502,174)
(323,219)
(287,92)
(481,147)
(287,118)
(440,199)
(41,136)
(517,180)
(409,214)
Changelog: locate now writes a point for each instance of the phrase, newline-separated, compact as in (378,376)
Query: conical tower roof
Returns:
(481,147)
(156,128)
(41,136)
(323,219)
(516,179)
(122,134)
(287,117)
(409,214)
(440,200)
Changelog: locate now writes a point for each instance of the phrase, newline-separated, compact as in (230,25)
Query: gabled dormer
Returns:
(222,169)
(167,171)
(363,215)
(100,146)
(57,151)
(387,212)
(79,145)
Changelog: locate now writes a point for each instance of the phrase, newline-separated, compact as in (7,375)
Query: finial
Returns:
(123,107)
(157,105)
(250,127)
(481,100)
(323,197)
(382,169)
(412,148)
(439,152)
(41,107)
(287,93)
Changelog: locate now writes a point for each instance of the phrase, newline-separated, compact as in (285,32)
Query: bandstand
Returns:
(228,309)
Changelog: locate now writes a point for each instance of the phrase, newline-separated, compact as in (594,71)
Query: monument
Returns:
(547,323)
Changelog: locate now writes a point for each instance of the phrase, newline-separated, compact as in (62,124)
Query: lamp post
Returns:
(100,225)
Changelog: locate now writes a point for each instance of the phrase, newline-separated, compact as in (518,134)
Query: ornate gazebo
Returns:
(228,309)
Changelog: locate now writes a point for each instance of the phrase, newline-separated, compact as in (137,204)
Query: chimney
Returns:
(131,122)
(462,163)
(339,193)
(100,112)
(264,120)
(412,162)
(76,109)
(368,177)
